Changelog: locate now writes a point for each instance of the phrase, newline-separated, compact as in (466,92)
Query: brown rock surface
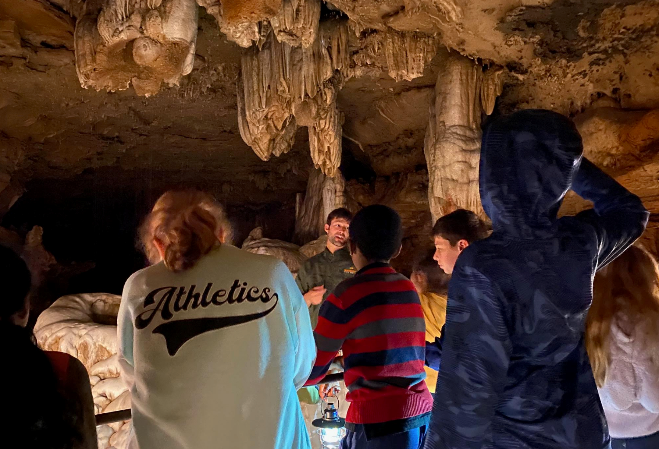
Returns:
(40,22)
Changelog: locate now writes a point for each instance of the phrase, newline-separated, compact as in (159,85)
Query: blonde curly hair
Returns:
(187,224)
(628,288)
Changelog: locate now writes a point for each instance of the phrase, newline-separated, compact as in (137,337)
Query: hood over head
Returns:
(528,161)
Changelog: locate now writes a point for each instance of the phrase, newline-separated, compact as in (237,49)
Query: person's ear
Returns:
(400,248)
(326,228)
(462,244)
(160,246)
(351,246)
(221,235)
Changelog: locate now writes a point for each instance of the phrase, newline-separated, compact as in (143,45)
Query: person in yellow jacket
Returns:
(430,282)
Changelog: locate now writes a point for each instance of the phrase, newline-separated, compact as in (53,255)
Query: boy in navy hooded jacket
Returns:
(514,371)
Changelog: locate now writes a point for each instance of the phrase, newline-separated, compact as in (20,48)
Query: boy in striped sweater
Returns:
(377,319)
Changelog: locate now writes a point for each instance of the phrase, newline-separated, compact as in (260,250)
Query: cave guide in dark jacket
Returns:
(514,371)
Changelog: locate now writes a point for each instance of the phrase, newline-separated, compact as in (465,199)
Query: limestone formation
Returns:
(323,195)
(237,11)
(84,326)
(408,54)
(288,253)
(249,22)
(638,136)
(314,247)
(402,55)
(615,138)
(452,145)
(138,42)
(242,32)
(296,23)
(283,87)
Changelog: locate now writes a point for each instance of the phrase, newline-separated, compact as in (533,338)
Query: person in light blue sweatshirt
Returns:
(213,341)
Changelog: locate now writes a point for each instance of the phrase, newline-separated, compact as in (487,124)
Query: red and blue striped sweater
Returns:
(376,317)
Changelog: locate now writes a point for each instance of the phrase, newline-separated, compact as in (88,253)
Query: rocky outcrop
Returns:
(35,21)
(143,43)
(464,91)
(618,139)
(84,326)
(289,253)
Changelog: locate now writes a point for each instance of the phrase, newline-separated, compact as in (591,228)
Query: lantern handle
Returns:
(338,402)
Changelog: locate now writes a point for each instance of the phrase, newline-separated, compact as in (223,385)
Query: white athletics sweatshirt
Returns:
(214,355)
(630,396)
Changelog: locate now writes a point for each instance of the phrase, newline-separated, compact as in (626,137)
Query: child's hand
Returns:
(328,391)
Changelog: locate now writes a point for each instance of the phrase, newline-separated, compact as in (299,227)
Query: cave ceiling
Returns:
(562,55)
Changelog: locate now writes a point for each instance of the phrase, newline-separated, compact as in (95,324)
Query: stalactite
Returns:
(283,87)
(296,23)
(491,88)
(325,133)
(146,43)
(270,133)
(243,33)
(453,137)
(240,11)
(408,53)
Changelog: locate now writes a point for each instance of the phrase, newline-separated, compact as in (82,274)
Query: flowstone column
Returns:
(463,92)
(323,195)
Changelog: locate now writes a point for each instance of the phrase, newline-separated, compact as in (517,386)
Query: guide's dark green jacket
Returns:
(327,269)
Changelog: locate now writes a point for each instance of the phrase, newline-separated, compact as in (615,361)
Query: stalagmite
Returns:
(283,87)
(323,195)
(453,137)
(333,194)
(146,43)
